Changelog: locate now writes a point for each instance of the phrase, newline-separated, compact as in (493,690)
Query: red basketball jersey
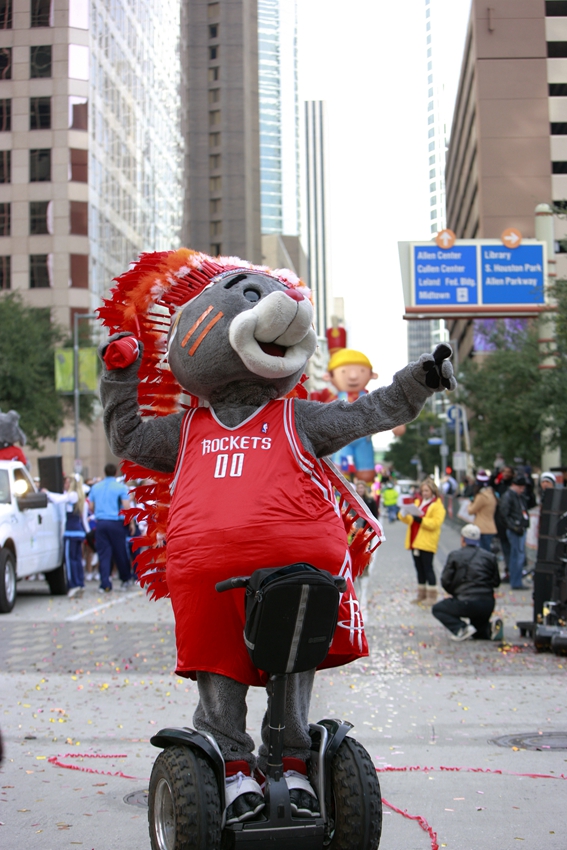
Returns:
(244,498)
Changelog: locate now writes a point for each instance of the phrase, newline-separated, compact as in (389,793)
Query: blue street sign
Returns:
(435,441)
(445,277)
(66,439)
(512,275)
(452,413)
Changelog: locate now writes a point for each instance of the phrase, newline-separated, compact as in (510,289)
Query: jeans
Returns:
(478,611)
(486,542)
(424,567)
(392,512)
(517,557)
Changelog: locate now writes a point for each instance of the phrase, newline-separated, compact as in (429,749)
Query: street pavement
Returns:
(86,683)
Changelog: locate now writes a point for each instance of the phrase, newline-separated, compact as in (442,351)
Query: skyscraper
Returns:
(90,152)
(219,94)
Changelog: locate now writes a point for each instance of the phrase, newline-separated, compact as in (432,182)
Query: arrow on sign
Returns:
(511,237)
(445,238)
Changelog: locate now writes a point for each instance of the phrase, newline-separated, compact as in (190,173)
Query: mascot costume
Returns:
(203,386)
(11,433)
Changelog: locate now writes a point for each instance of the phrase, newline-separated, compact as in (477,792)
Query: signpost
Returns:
(473,277)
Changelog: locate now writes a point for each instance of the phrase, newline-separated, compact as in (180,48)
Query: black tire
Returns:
(183,802)
(356,805)
(7,581)
(57,581)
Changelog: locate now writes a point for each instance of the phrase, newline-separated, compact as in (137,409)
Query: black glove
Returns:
(417,519)
(438,369)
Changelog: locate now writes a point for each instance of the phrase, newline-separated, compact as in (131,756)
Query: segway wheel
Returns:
(356,805)
(183,802)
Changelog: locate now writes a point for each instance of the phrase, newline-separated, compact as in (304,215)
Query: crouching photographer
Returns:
(470,576)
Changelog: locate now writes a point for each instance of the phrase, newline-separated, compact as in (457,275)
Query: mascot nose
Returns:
(295,294)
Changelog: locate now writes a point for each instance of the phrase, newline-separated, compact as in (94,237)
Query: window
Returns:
(78,113)
(78,61)
(433,215)
(556,49)
(214,95)
(5,273)
(39,271)
(561,206)
(79,165)
(215,206)
(38,217)
(79,14)
(215,184)
(4,219)
(40,61)
(214,117)
(213,53)
(431,119)
(80,271)
(5,114)
(559,128)
(5,166)
(40,165)
(214,9)
(431,146)
(556,8)
(40,13)
(79,218)
(433,200)
(216,228)
(559,167)
(40,113)
(5,63)
(215,161)
(5,14)
(432,174)
(214,31)
(430,80)
(216,249)
(430,134)
(213,74)
(432,160)
(214,140)
(558,89)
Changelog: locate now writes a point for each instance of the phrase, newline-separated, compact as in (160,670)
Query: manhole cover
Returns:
(534,741)
(137,798)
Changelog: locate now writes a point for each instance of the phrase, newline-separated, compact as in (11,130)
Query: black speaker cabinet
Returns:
(51,473)
(544,586)
(552,544)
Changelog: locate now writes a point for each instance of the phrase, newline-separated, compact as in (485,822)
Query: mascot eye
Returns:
(251,295)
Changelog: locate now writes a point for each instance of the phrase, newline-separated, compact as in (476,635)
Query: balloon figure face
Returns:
(352,378)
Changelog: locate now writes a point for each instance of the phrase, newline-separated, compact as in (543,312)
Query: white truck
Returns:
(31,535)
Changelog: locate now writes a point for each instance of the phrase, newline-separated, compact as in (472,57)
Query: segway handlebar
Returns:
(231,583)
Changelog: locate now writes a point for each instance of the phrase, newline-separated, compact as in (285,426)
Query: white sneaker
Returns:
(75,591)
(244,798)
(302,797)
(464,634)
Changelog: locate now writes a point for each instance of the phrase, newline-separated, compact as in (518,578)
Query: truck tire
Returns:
(57,581)
(7,581)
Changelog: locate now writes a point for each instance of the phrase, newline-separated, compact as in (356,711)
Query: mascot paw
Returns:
(302,797)
(120,351)
(438,368)
(244,798)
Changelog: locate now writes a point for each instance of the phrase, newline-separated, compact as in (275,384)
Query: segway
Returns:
(291,615)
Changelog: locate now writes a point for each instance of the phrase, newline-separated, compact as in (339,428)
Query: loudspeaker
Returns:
(552,544)
(544,584)
(51,473)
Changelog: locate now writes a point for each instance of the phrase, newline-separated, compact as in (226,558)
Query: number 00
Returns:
(236,464)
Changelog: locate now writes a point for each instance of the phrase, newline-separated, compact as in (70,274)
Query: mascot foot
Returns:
(302,797)
(244,798)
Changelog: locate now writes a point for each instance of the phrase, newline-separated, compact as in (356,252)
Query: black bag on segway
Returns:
(291,616)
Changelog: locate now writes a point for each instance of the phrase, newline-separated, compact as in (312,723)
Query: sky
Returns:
(367,60)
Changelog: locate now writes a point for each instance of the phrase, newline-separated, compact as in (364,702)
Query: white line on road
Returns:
(94,610)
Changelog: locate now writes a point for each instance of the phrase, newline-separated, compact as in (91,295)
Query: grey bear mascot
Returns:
(202,394)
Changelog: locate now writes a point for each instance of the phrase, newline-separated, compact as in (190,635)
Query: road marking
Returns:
(96,608)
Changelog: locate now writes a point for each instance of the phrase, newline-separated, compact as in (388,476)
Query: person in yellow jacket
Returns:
(423,537)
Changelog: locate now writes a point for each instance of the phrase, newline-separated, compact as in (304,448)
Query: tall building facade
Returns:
(279,116)
(424,334)
(508,147)
(90,154)
(219,49)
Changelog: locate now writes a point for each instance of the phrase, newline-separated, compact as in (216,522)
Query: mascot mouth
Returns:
(275,338)
(273,349)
